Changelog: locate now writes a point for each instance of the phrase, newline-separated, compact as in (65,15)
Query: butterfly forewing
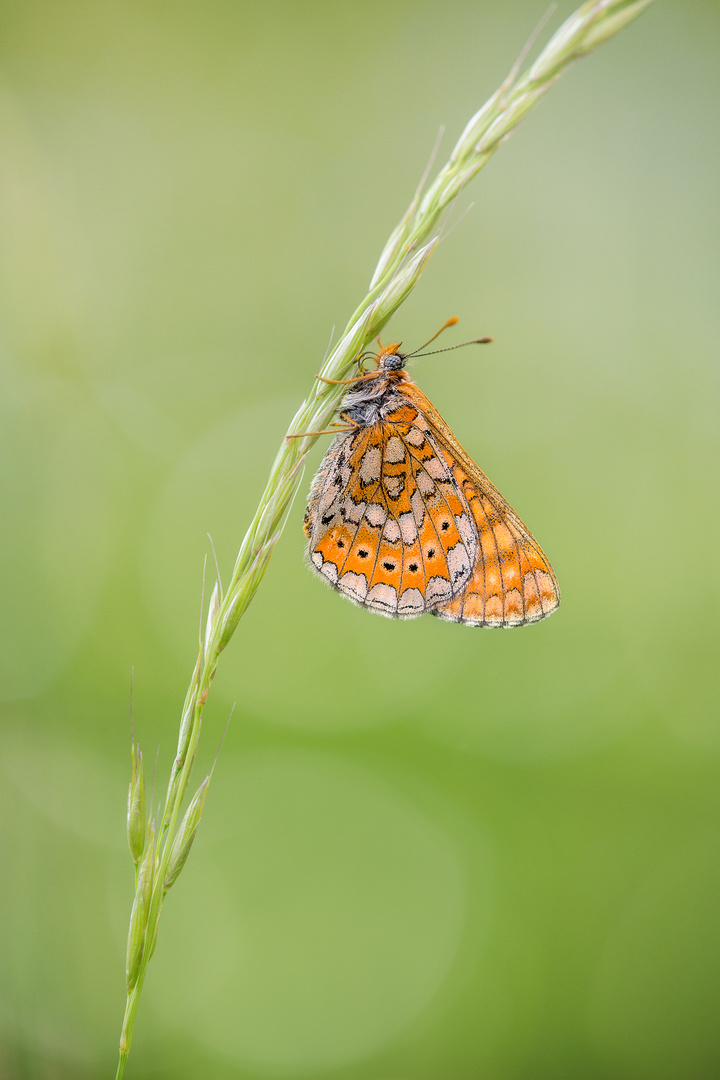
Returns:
(388,524)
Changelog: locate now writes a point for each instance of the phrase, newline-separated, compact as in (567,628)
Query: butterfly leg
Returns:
(334,429)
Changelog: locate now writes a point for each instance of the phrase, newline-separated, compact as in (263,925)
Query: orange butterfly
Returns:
(402,521)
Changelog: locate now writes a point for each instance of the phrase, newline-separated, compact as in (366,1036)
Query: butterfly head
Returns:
(378,389)
(389,370)
(390,358)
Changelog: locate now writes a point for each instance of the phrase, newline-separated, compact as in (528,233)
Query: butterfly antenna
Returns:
(450,322)
(451,347)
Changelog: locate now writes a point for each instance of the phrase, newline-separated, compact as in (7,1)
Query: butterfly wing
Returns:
(388,524)
(512,583)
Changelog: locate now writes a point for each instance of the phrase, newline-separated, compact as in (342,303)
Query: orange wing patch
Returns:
(513,583)
(388,525)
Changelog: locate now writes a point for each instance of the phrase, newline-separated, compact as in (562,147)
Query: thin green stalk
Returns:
(399,268)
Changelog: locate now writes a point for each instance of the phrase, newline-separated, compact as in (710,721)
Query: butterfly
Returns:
(401,521)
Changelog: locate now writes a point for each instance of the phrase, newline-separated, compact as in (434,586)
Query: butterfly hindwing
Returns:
(512,583)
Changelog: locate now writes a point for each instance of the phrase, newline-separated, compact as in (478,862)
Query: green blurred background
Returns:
(428,851)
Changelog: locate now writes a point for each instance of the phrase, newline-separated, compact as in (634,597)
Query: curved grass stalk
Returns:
(160,858)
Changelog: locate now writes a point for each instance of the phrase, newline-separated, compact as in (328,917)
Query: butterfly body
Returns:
(401,521)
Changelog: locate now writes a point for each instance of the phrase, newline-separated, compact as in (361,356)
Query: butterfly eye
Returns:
(413,567)
(431,553)
(362,554)
(341,543)
(445,526)
(389,565)
(393,362)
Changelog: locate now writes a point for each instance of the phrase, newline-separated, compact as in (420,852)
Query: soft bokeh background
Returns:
(428,851)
